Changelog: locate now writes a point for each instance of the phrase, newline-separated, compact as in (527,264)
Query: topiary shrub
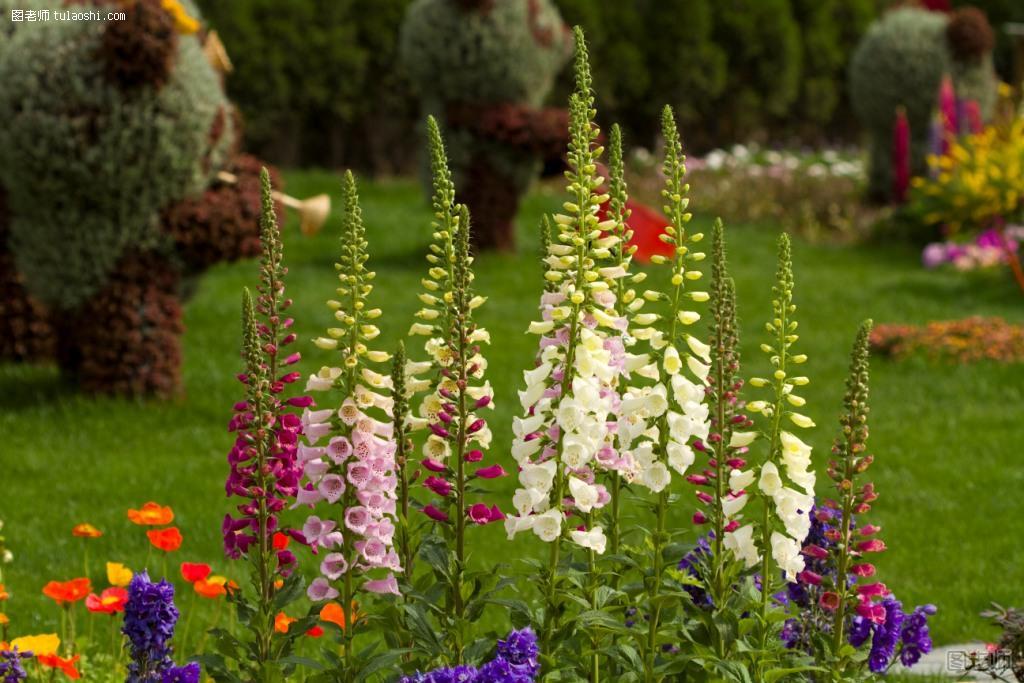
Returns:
(25,330)
(113,131)
(900,62)
(483,69)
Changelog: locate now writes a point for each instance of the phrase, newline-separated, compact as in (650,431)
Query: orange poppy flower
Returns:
(67,591)
(67,666)
(279,584)
(86,531)
(4,620)
(282,622)
(332,613)
(110,601)
(151,514)
(211,588)
(167,540)
(193,572)
(4,595)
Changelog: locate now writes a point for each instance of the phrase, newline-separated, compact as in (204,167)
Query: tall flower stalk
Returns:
(352,477)
(263,461)
(728,442)
(622,256)
(565,442)
(405,541)
(676,404)
(791,506)
(850,460)
(457,391)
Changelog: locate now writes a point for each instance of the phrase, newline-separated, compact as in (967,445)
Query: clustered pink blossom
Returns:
(349,460)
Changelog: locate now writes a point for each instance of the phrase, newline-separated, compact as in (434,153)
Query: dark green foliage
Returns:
(87,166)
(732,69)
(325,71)
(762,41)
(830,30)
(647,47)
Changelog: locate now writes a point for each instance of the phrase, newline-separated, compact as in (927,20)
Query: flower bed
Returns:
(628,408)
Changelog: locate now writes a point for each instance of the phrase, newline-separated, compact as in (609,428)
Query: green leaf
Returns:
(435,553)
(422,632)
(298,660)
(290,592)
(773,675)
(596,618)
(380,662)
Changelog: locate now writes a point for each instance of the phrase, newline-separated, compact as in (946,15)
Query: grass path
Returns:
(947,439)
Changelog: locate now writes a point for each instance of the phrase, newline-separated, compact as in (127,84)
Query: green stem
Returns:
(654,587)
(71,631)
(351,624)
(773,446)
(613,522)
(844,556)
(460,483)
(551,609)
(718,587)
(595,660)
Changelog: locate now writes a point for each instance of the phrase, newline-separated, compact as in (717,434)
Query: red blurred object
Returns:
(900,157)
(937,5)
(947,109)
(972,112)
(647,224)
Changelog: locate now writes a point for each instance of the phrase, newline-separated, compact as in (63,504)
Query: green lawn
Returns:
(946,438)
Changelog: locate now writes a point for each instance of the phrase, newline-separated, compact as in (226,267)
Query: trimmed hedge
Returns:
(326,71)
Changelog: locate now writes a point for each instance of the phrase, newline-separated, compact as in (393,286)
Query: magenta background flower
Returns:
(263,461)
(439,486)
(434,513)
(492,472)
(481,514)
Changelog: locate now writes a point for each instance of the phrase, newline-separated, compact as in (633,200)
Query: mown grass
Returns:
(946,437)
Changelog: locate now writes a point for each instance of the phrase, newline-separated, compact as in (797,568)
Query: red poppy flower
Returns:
(110,601)
(281,541)
(167,540)
(86,531)
(66,592)
(192,572)
(315,632)
(67,666)
(151,514)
